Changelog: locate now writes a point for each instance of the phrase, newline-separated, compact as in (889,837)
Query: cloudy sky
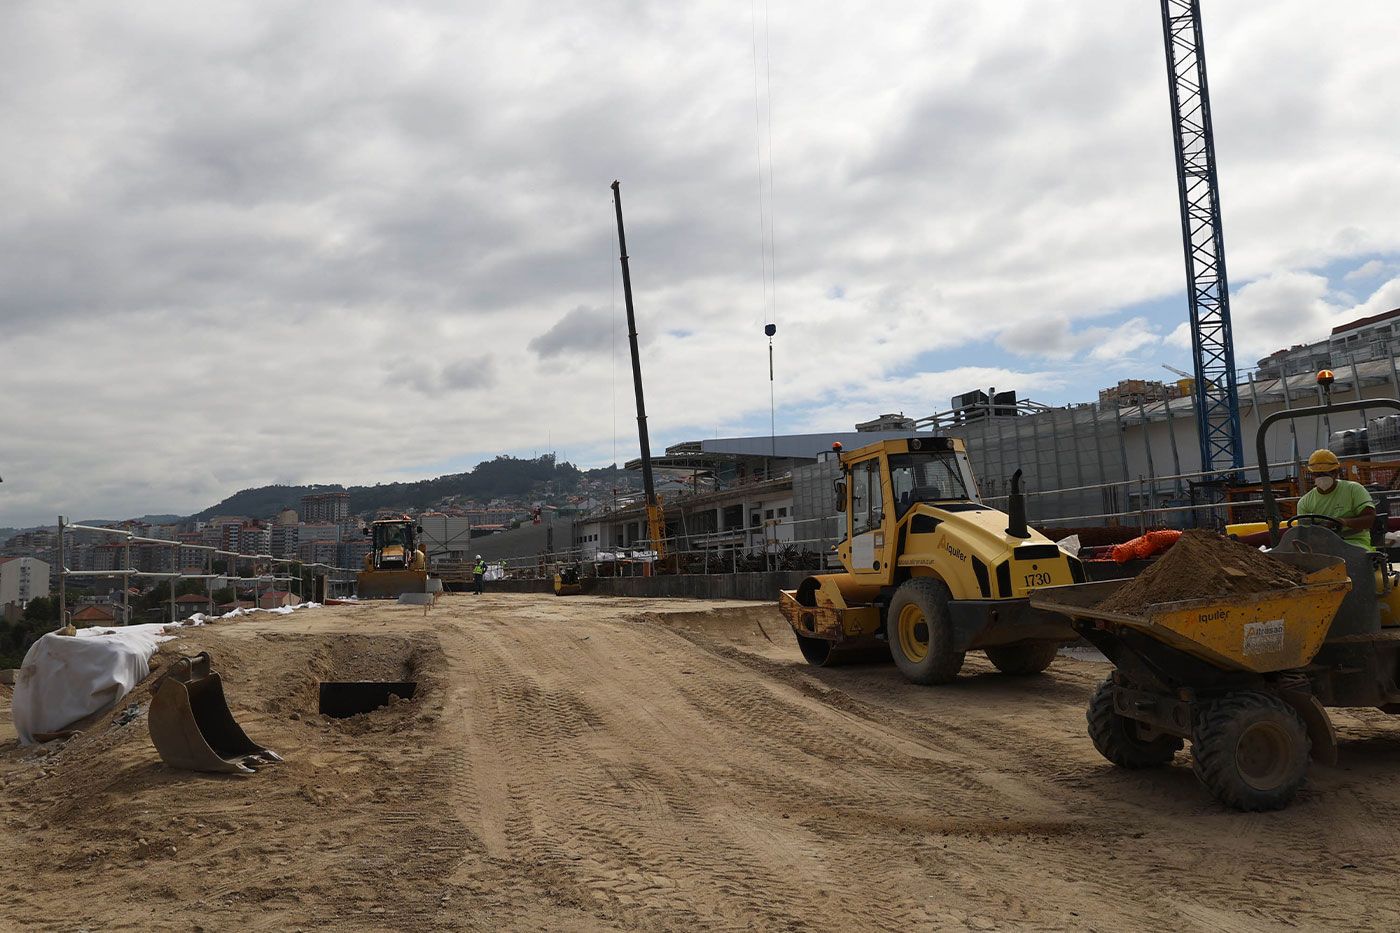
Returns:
(246,243)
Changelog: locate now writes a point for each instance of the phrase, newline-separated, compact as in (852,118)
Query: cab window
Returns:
(925,477)
(867,505)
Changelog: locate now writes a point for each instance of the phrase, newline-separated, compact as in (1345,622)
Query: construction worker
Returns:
(1339,498)
(478,573)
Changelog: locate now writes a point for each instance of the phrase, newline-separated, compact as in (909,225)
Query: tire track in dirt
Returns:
(606,801)
(1110,822)
(574,768)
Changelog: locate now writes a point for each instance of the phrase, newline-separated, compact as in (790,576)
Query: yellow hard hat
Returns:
(1323,461)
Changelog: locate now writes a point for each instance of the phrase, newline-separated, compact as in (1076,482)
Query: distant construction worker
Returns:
(1334,497)
(478,573)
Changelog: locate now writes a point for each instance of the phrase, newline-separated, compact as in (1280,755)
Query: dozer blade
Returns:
(191,724)
(389,584)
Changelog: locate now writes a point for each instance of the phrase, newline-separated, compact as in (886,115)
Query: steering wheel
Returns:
(1326,521)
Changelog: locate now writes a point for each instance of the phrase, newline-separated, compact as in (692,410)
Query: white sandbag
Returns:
(65,678)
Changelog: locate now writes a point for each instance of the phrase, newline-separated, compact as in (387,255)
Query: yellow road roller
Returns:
(930,571)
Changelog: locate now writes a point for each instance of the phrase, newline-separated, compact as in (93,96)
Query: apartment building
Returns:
(331,507)
(22,579)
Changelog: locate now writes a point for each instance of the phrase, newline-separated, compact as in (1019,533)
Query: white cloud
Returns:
(316,242)
(1053,338)
(1366,270)
(1180,337)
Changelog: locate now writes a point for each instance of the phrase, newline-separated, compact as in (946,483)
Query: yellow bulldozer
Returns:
(395,564)
(930,571)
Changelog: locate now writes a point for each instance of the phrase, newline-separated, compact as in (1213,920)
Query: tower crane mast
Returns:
(1208,292)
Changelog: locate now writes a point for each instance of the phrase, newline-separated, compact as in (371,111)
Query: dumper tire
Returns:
(1251,751)
(1117,739)
(1024,659)
(917,618)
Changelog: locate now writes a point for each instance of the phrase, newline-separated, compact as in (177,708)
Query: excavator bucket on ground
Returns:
(191,724)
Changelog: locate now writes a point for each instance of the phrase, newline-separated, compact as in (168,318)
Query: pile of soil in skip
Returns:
(1199,565)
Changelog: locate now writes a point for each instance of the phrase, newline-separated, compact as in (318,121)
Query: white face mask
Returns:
(1325,483)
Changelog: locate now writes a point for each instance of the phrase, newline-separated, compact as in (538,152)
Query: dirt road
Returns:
(595,763)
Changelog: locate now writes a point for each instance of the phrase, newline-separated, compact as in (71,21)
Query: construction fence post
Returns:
(62,574)
(126,581)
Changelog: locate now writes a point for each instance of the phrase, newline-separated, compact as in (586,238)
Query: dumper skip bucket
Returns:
(191,724)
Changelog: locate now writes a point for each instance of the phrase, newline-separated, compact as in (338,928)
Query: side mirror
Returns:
(840,487)
(419,529)
(364,531)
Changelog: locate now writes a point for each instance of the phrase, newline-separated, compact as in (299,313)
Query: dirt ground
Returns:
(609,764)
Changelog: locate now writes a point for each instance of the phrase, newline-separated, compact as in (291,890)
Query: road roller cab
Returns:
(931,572)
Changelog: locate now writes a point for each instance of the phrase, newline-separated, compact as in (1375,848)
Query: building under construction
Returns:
(1109,463)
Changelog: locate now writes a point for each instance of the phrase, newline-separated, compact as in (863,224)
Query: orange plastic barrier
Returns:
(1144,546)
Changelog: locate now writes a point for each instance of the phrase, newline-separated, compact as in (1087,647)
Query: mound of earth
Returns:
(1200,565)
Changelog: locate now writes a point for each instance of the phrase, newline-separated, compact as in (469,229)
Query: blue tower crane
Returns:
(1208,291)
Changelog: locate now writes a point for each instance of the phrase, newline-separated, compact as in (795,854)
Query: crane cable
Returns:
(768,261)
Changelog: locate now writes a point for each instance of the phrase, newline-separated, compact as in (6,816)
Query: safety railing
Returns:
(335,576)
(808,544)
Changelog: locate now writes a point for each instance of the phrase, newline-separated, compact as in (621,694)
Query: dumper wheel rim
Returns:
(937,663)
(913,632)
(1251,751)
(1023,658)
(1119,738)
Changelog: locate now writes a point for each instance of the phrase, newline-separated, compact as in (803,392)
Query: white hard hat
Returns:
(478,557)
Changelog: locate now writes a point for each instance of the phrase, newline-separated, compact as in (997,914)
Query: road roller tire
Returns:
(920,634)
(821,653)
(818,651)
(1117,739)
(1250,750)
(1022,660)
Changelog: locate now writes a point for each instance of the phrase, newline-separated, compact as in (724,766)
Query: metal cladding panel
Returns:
(445,533)
(801,446)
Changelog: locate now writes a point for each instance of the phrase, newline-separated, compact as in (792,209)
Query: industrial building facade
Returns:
(1090,464)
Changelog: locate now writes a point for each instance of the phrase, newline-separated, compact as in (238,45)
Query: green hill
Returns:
(501,478)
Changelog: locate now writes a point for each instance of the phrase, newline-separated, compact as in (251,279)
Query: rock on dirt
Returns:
(1201,565)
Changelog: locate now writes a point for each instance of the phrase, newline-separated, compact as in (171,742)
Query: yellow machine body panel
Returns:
(394,565)
(1259,632)
(945,539)
(1240,529)
(833,606)
(568,581)
(389,584)
(963,539)
(911,509)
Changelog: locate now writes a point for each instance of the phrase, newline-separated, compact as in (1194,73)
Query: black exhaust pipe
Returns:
(1016,509)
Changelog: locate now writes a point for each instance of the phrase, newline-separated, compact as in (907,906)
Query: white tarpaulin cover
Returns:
(67,677)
